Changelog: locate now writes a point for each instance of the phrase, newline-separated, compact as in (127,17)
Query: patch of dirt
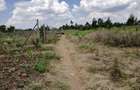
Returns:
(69,65)
(15,73)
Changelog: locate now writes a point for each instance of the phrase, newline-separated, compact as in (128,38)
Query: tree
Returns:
(108,23)
(47,28)
(100,22)
(94,22)
(132,20)
(72,26)
(3,28)
(87,25)
(11,29)
(71,22)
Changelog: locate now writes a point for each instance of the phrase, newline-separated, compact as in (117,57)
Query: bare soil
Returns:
(69,65)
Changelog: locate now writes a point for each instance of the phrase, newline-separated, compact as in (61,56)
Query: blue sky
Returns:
(23,13)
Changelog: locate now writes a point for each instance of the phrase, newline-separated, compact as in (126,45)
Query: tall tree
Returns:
(87,25)
(100,22)
(11,29)
(108,23)
(3,28)
(132,20)
(94,22)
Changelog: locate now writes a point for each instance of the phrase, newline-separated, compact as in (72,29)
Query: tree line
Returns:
(4,28)
(131,21)
(96,23)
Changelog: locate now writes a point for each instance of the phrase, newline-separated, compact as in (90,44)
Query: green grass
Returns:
(88,47)
(41,65)
(79,33)
(44,60)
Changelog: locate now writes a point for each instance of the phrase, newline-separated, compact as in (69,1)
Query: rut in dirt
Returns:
(65,48)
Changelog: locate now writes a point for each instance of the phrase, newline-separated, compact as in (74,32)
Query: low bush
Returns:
(36,43)
(44,60)
(40,65)
(89,47)
(121,39)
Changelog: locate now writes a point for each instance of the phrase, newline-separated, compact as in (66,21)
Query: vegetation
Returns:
(101,23)
(101,41)
(120,39)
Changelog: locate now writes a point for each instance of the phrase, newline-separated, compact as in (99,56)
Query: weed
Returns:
(116,73)
(40,65)
(89,47)
(30,53)
(36,43)
(51,55)
(119,39)
(61,86)
(44,60)
(36,87)
(136,85)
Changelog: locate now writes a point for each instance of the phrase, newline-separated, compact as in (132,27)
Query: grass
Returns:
(89,47)
(119,39)
(79,34)
(52,37)
(44,60)
(40,65)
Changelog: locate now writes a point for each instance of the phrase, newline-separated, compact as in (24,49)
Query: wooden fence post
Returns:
(43,34)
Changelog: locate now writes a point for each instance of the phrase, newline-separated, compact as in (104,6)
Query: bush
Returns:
(37,43)
(44,60)
(121,39)
(116,74)
(40,65)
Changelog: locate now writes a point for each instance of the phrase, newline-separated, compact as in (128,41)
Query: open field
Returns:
(98,59)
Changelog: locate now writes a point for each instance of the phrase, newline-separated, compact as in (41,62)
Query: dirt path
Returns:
(70,70)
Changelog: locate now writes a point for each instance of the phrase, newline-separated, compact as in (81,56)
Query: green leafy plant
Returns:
(44,60)
(40,66)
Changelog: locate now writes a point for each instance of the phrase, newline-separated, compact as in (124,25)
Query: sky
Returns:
(23,13)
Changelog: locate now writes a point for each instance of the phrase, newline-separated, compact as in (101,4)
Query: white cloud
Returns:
(118,10)
(58,12)
(51,12)
(2,5)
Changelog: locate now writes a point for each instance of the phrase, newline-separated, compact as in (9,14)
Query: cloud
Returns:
(118,10)
(2,5)
(58,12)
(51,12)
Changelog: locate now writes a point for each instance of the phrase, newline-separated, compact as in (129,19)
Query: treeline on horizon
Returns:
(96,23)
(101,23)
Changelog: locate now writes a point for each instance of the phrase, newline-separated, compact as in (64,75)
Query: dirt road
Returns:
(70,70)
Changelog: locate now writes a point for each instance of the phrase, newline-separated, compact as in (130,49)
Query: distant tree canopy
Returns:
(4,29)
(95,23)
(100,22)
(132,20)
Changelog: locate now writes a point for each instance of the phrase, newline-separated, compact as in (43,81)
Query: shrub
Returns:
(44,60)
(121,39)
(40,65)
(116,74)
(89,47)
(36,43)
(51,55)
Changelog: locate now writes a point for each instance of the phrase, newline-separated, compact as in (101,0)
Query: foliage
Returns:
(98,23)
(5,29)
(79,33)
(132,20)
(44,60)
(116,73)
(40,65)
(36,43)
(88,47)
(119,38)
